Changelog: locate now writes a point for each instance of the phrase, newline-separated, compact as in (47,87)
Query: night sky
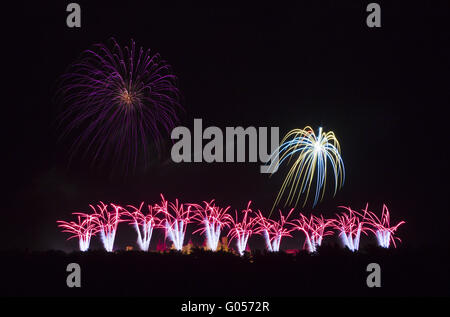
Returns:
(384,92)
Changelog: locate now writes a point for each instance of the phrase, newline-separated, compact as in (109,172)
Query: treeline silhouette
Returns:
(333,271)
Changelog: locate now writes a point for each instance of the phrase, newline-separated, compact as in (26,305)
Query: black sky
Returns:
(384,92)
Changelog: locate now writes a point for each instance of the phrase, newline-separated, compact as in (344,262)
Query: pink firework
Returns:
(314,228)
(382,228)
(107,222)
(84,229)
(176,219)
(242,230)
(273,231)
(144,224)
(350,225)
(213,220)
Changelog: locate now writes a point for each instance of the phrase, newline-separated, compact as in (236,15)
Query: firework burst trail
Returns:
(319,226)
(119,98)
(312,153)
(350,226)
(314,229)
(242,230)
(84,229)
(213,219)
(175,221)
(273,231)
(107,222)
(382,228)
(144,224)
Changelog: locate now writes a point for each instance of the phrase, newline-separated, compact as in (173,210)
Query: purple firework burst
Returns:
(119,103)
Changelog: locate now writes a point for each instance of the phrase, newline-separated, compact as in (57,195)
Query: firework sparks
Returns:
(273,231)
(84,229)
(312,153)
(350,226)
(213,219)
(382,228)
(314,228)
(175,221)
(120,98)
(144,224)
(242,230)
(174,218)
(107,222)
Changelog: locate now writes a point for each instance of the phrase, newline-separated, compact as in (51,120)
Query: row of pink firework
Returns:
(174,218)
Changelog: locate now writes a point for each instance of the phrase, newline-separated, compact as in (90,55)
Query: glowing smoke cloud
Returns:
(213,219)
(242,230)
(83,230)
(107,222)
(144,224)
(382,228)
(175,222)
(311,153)
(116,101)
(273,231)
